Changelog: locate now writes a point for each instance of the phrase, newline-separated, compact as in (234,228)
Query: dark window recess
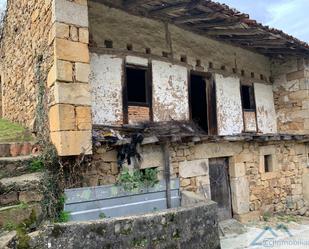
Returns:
(183,58)
(247,96)
(198,63)
(108,43)
(137,86)
(198,100)
(268,163)
(148,50)
(129,47)
(165,54)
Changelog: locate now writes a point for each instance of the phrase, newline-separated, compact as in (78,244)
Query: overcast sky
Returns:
(291,16)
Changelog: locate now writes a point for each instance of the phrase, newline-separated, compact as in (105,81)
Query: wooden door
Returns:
(220,187)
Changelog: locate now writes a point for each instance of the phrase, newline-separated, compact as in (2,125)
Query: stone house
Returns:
(161,68)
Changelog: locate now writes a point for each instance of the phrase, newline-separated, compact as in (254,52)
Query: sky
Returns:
(290,16)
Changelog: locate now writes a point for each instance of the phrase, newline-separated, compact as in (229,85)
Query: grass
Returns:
(11,132)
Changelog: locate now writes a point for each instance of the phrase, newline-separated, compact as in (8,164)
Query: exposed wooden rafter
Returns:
(218,21)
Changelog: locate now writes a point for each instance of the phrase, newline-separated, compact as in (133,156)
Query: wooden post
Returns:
(167,174)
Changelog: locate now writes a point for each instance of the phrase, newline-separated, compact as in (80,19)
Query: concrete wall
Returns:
(162,230)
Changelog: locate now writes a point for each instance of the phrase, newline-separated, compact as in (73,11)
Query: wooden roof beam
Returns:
(219,23)
(130,4)
(177,6)
(231,32)
(195,18)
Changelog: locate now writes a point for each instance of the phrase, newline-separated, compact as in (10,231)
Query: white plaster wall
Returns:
(170,91)
(106,83)
(229,107)
(265,108)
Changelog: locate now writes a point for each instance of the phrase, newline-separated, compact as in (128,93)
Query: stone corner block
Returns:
(72,143)
(72,93)
(193,168)
(62,117)
(71,51)
(70,12)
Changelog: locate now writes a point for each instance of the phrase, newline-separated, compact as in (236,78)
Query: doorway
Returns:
(220,186)
(198,100)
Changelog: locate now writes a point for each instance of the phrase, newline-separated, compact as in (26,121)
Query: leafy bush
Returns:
(138,178)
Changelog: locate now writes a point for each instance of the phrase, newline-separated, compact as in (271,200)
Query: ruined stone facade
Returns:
(93,45)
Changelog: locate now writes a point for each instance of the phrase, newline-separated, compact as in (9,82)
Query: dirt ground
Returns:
(282,232)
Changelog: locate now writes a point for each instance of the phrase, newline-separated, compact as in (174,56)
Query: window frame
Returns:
(147,85)
(210,98)
(148,81)
(253,97)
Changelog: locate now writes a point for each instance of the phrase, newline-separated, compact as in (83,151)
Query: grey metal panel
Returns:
(112,201)
(111,191)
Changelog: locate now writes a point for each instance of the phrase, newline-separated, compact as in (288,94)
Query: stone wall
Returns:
(162,230)
(24,47)
(70,100)
(254,191)
(291,88)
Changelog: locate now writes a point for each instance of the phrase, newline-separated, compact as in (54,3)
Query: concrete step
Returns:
(27,188)
(6,238)
(15,166)
(17,149)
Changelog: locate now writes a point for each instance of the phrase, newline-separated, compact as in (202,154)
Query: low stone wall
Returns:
(192,227)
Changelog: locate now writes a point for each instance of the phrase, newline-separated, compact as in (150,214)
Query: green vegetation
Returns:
(64,216)
(138,179)
(36,165)
(11,132)
(288,218)
(266,216)
(22,229)
(102,216)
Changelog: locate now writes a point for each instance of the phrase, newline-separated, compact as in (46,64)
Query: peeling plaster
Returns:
(106,83)
(250,121)
(170,92)
(229,108)
(265,108)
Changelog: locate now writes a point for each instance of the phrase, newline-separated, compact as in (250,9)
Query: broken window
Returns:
(248,106)
(268,163)
(137,94)
(247,96)
(202,102)
(137,86)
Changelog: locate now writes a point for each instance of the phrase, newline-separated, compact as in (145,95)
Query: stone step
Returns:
(27,188)
(15,166)
(13,215)
(17,149)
